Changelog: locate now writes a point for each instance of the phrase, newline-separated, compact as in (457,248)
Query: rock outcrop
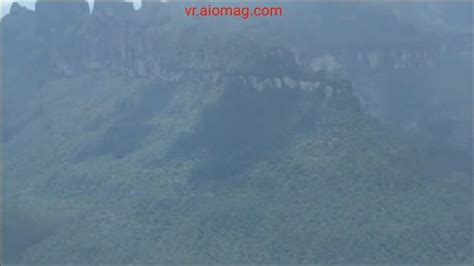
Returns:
(159,40)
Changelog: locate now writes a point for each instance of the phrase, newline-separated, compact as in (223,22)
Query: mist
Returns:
(332,133)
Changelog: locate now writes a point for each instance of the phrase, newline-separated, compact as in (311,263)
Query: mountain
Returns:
(338,133)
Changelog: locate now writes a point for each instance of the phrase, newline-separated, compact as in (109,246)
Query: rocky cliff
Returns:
(392,70)
(144,136)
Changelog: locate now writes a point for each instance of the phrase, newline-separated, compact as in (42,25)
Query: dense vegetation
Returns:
(143,148)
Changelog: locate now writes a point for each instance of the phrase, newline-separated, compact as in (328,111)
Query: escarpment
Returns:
(336,134)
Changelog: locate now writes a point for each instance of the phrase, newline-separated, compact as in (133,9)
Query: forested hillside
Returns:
(145,136)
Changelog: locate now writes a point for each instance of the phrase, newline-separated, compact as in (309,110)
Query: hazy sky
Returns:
(31,4)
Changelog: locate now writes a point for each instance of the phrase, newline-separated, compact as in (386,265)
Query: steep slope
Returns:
(135,140)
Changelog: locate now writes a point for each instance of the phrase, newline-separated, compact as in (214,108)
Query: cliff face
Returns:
(385,66)
(144,136)
(414,86)
(116,39)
